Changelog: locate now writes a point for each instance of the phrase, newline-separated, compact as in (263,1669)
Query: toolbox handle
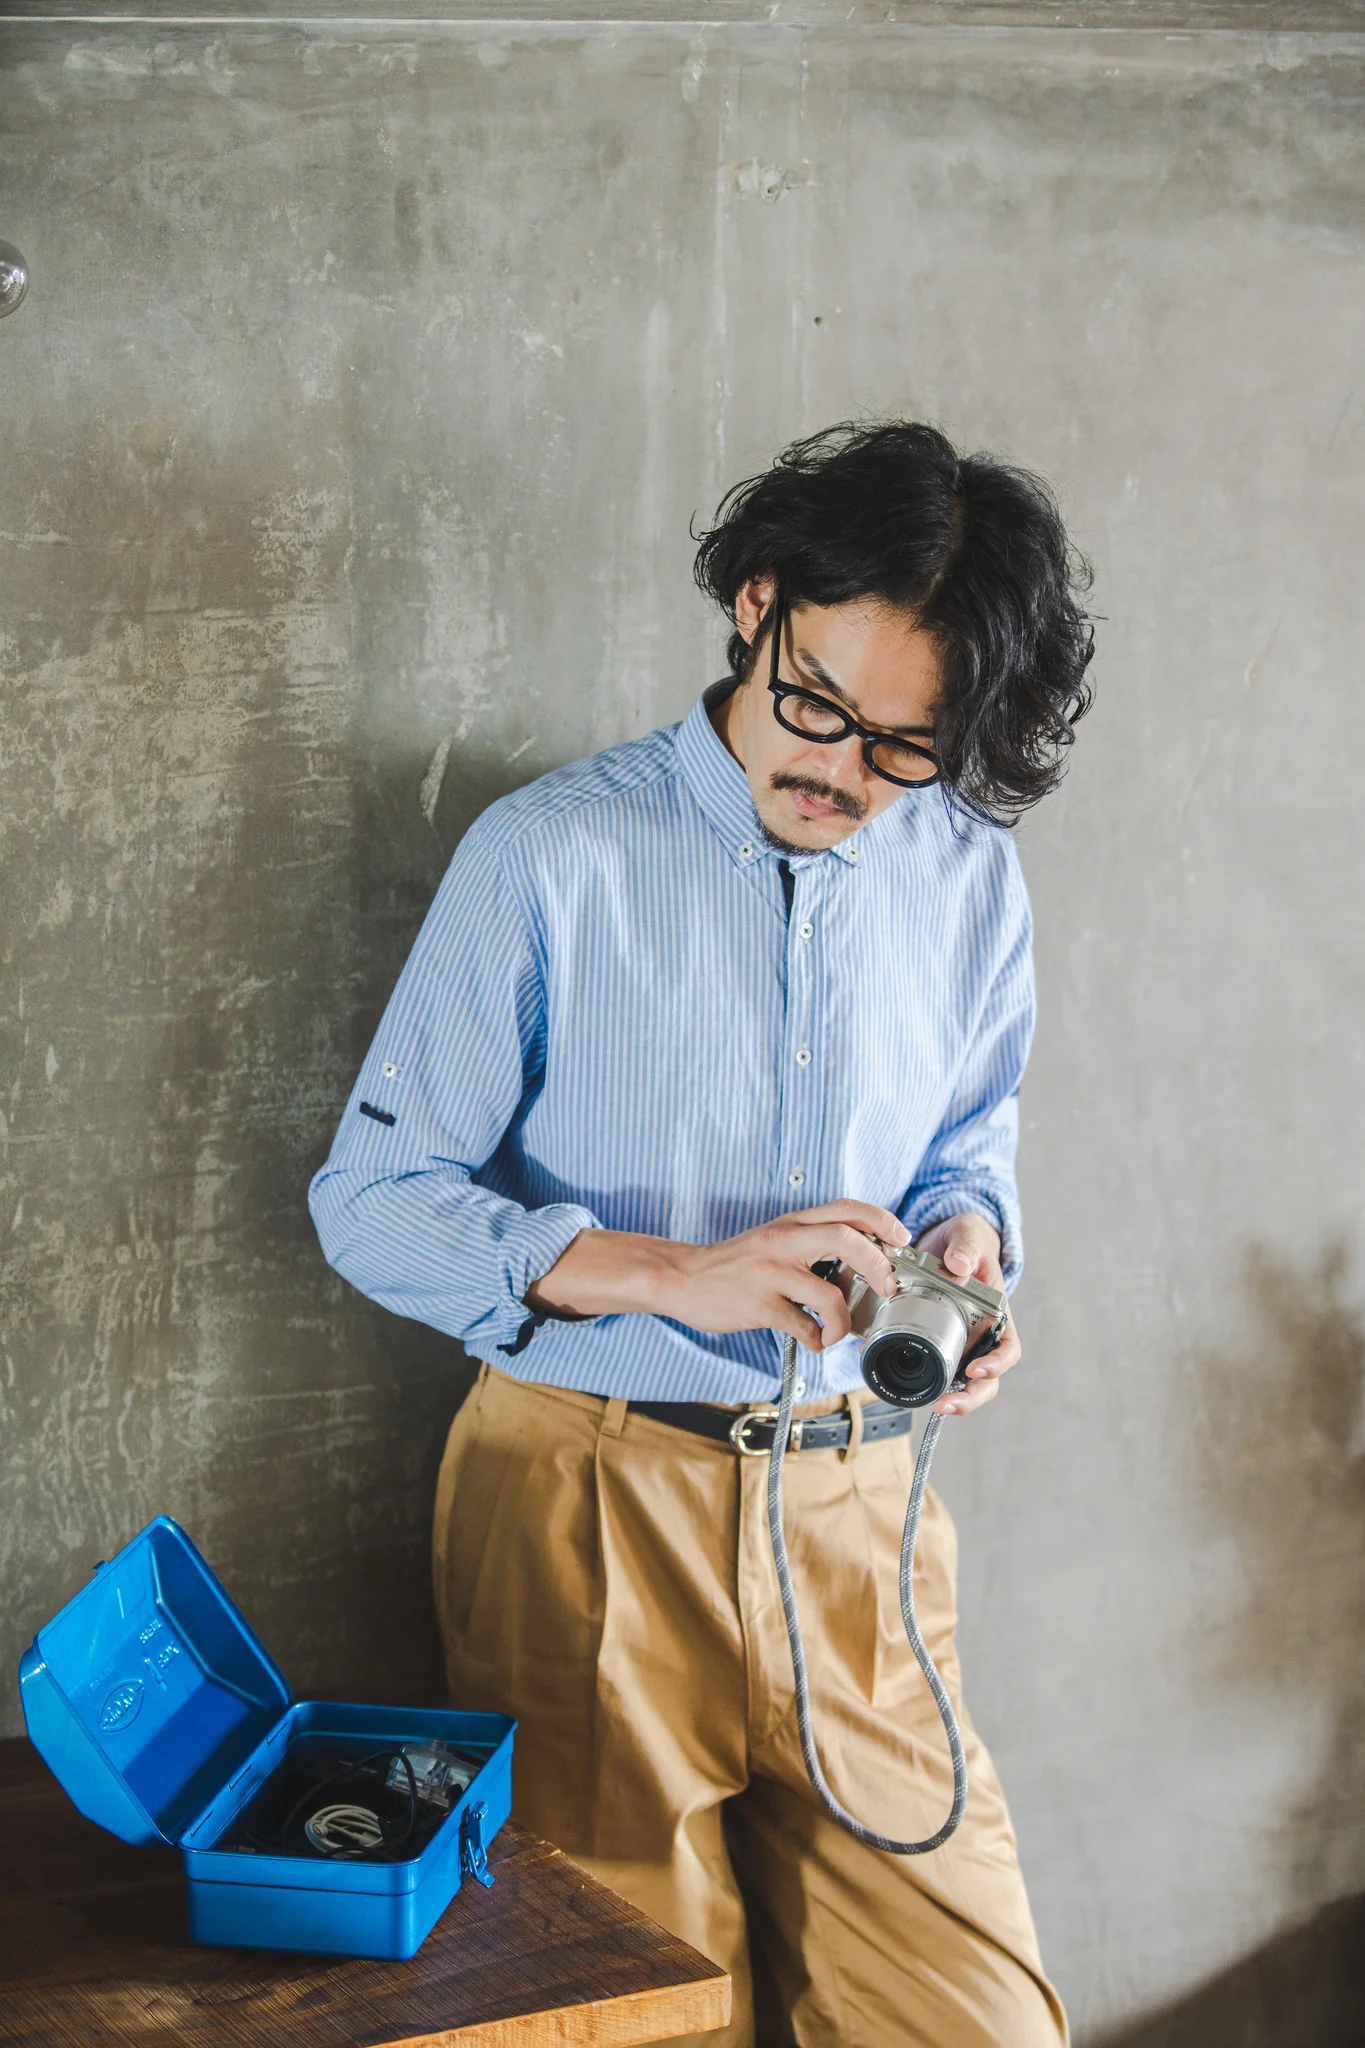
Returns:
(473,1851)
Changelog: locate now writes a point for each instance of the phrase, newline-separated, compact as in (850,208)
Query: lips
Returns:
(811,807)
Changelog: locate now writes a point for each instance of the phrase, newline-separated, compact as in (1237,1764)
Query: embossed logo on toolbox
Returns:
(122,1704)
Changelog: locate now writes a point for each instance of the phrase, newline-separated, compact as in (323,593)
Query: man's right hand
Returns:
(760,1280)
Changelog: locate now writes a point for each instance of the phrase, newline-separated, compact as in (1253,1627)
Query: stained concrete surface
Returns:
(366,386)
(1304,1989)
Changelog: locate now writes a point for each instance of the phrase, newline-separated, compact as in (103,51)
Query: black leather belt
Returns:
(751,1431)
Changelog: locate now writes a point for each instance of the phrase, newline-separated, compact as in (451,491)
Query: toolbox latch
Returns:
(473,1851)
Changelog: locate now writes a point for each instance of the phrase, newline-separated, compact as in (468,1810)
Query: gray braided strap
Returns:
(832,1806)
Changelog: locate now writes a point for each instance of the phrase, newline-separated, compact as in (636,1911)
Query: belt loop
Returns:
(853,1401)
(613,1417)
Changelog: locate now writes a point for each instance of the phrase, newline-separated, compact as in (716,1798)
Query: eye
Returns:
(905,763)
(815,716)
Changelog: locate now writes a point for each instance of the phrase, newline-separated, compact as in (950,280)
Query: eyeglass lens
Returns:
(817,719)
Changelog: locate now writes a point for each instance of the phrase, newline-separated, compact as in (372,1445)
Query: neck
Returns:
(724,722)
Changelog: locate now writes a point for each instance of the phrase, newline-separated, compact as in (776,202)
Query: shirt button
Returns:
(854,853)
(803,1057)
(799,1389)
(806,930)
(746,851)
(797,1176)
(390,1071)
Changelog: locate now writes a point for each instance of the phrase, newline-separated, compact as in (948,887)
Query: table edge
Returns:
(670,2009)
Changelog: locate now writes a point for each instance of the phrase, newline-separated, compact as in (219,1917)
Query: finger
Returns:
(858,1252)
(865,1216)
(967,1232)
(1007,1353)
(804,1247)
(961,1401)
(807,1291)
(793,1321)
(966,1251)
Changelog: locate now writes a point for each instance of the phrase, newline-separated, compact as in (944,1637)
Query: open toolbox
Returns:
(304,1824)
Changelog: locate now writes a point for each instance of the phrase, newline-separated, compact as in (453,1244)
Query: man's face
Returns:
(865,657)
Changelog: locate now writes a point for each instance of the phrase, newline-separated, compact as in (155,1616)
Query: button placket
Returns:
(801,1040)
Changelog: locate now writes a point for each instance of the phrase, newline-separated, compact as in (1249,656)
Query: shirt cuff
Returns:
(942,1199)
(535,1242)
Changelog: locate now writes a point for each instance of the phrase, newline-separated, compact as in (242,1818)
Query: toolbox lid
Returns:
(149,1691)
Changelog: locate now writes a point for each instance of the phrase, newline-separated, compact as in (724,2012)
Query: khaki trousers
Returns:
(609,1580)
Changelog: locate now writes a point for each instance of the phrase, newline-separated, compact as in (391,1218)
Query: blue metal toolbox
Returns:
(165,1720)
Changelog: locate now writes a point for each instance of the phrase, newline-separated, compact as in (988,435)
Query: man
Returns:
(685,1020)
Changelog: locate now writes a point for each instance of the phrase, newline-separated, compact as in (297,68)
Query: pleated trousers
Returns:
(609,1580)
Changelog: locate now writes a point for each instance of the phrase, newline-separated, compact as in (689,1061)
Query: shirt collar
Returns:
(721,787)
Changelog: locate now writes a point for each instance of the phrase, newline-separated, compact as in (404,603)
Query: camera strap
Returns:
(832,1806)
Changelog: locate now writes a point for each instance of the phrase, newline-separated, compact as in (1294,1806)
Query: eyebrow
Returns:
(816,667)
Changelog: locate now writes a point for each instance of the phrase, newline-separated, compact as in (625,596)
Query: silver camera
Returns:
(914,1341)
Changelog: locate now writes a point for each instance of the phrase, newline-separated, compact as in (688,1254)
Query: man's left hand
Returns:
(969,1248)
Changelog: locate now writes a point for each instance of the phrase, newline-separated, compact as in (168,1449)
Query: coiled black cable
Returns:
(387,1847)
(832,1806)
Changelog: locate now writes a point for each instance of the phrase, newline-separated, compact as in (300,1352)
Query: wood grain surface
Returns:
(93,1948)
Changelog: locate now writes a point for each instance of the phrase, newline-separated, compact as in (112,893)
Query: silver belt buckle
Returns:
(741,1424)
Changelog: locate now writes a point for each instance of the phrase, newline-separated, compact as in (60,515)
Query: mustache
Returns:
(823,792)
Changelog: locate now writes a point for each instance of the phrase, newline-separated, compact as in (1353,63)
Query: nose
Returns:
(843,763)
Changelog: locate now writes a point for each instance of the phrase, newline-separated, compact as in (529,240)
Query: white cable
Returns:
(344,1830)
(777,1456)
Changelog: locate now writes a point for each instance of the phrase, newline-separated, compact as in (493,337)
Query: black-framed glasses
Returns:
(816,718)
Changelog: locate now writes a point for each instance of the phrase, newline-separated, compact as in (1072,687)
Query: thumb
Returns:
(960,1256)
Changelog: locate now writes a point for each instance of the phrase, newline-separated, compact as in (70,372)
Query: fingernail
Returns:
(951,1408)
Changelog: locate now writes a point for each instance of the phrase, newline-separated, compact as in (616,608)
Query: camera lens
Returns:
(906,1369)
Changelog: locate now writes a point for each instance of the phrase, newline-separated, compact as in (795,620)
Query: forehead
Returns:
(870,655)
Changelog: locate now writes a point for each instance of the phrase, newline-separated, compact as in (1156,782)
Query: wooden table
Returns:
(93,1949)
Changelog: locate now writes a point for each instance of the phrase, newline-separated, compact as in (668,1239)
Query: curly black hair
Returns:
(975,550)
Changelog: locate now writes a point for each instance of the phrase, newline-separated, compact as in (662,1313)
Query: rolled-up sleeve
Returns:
(397,1206)
(970,1164)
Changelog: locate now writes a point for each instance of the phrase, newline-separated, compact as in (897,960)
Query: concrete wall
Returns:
(350,435)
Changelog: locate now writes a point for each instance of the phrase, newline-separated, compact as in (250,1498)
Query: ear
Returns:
(751,604)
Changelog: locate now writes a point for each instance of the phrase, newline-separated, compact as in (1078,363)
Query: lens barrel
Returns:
(907,1371)
(914,1348)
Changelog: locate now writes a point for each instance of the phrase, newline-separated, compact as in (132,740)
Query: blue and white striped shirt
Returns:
(609,1018)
